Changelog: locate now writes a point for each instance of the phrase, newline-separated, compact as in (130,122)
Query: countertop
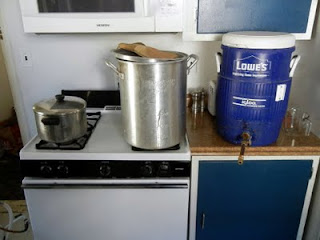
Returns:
(204,140)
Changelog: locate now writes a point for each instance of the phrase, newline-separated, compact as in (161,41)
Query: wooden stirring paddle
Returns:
(145,51)
(129,47)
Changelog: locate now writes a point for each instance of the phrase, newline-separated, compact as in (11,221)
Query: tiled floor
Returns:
(19,225)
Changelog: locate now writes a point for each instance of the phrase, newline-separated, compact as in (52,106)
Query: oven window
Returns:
(85,6)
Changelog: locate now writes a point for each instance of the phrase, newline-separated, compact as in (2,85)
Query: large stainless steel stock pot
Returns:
(153,98)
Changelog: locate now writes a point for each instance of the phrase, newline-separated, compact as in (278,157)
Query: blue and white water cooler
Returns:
(255,72)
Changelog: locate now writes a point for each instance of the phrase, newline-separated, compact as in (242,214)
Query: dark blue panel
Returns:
(246,99)
(216,16)
(260,200)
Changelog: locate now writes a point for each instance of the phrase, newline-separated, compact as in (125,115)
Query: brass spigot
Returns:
(246,141)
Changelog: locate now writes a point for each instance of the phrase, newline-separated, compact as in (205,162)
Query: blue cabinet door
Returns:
(259,200)
(216,16)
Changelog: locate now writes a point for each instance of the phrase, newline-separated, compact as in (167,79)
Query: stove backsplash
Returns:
(96,99)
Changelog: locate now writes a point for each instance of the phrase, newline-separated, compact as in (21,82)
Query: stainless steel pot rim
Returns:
(124,55)
(56,114)
(71,105)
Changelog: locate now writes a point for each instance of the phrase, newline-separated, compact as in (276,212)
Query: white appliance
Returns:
(108,209)
(107,190)
(69,16)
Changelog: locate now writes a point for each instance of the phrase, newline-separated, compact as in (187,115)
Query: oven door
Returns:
(108,209)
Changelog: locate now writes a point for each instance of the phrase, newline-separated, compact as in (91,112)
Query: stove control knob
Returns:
(62,170)
(105,170)
(46,170)
(147,170)
(164,169)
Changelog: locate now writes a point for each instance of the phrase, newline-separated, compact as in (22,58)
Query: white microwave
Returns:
(76,16)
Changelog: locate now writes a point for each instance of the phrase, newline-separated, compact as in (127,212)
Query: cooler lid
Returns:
(259,40)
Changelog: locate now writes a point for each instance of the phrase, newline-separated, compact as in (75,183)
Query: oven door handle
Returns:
(106,186)
(29,183)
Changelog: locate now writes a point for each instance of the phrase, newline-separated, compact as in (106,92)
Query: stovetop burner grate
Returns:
(77,144)
(176,147)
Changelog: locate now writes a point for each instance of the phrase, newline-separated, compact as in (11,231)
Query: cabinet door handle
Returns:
(203,219)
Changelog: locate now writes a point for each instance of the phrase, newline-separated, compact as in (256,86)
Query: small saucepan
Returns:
(61,119)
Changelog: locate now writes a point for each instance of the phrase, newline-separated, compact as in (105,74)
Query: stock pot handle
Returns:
(193,59)
(114,68)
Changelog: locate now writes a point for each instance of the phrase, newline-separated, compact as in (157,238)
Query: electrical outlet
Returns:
(26,58)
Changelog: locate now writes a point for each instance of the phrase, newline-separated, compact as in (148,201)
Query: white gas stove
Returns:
(106,189)
(103,155)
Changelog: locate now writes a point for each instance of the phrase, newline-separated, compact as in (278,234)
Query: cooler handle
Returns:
(218,61)
(293,64)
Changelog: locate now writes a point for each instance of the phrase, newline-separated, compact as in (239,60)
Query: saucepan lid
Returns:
(60,105)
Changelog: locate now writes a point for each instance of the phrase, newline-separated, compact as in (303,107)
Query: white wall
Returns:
(6,101)
(306,86)
(306,95)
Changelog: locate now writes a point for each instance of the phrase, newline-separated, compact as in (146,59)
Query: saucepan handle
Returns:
(293,64)
(193,59)
(53,121)
(114,68)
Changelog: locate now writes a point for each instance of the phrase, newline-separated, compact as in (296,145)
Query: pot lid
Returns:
(60,105)
(122,54)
